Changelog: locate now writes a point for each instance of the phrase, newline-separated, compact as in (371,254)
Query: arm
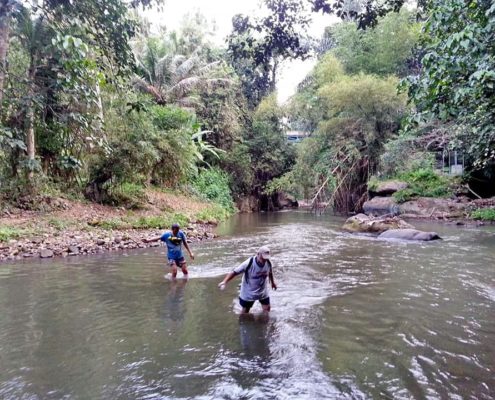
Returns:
(231,275)
(188,249)
(153,239)
(272,281)
(228,278)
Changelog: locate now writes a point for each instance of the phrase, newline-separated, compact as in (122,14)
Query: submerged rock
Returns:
(364,224)
(409,234)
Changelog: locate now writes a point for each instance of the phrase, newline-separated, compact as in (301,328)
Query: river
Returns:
(353,318)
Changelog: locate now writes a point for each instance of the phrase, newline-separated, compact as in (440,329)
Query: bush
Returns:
(8,233)
(402,155)
(485,214)
(213,185)
(424,182)
(129,195)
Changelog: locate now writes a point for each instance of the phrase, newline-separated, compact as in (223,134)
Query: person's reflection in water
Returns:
(255,334)
(174,305)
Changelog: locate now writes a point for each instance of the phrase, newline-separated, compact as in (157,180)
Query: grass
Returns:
(485,214)
(143,222)
(59,224)
(215,213)
(424,182)
(8,233)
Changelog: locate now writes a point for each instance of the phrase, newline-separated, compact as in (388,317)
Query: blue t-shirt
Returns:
(174,244)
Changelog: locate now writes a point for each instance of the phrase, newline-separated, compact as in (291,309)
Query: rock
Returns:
(100,242)
(381,206)
(365,224)
(117,240)
(37,240)
(27,255)
(387,188)
(73,250)
(46,253)
(248,204)
(427,207)
(286,201)
(409,234)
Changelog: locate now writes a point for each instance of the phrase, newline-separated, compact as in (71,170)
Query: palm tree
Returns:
(174,78)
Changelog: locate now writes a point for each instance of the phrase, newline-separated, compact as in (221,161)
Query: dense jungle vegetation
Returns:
(96,104)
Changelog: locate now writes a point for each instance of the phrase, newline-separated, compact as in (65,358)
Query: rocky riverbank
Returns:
(69,242)
(74,228)
(454,208)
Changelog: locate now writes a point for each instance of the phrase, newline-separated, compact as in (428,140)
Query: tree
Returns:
(457,80)
(357,114)
(174,78)
(385,49)
(365,12)
(107,23)
(257,46)
(58,81)
(270,153)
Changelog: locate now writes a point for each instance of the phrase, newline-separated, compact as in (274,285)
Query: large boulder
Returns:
(381,206)
(248,204)
(428,207)
(285,200)
(387,188)
(408,234)
(364,224)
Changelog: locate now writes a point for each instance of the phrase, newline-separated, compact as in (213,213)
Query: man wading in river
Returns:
(174,241)
(254,287)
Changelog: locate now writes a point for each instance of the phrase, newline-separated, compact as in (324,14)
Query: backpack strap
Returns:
(251,260)
(246,272)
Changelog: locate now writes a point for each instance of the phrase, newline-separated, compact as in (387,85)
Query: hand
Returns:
(274,286)
(221,285)
(191,255)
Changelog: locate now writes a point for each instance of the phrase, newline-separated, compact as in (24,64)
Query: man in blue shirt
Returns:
(174,240)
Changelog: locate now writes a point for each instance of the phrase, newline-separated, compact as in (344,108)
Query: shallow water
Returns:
(354,317)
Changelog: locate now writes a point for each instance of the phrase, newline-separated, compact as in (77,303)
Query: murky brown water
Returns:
(353,318)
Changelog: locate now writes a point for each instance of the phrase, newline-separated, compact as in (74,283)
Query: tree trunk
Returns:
(100,106)
(29,124)
(4,44)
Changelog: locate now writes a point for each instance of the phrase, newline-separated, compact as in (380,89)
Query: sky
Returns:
(221,12)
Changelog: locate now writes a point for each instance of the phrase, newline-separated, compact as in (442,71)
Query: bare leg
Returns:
(183,267)
(266,307)
(174,270)
(245,310)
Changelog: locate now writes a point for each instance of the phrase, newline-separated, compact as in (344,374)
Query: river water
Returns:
(354,318)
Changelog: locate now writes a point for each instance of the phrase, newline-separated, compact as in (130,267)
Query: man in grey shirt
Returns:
(254,286)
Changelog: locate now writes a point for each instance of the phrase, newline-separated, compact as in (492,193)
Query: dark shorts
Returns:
(249,304)
(180,261)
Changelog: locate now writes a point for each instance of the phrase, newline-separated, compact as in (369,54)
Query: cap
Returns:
(175,225)
(264,251)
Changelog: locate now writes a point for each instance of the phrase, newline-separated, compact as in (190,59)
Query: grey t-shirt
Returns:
(255,286)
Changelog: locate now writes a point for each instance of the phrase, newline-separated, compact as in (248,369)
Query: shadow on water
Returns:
(353,318)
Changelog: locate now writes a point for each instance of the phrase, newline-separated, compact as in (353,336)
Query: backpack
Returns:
(251,260)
